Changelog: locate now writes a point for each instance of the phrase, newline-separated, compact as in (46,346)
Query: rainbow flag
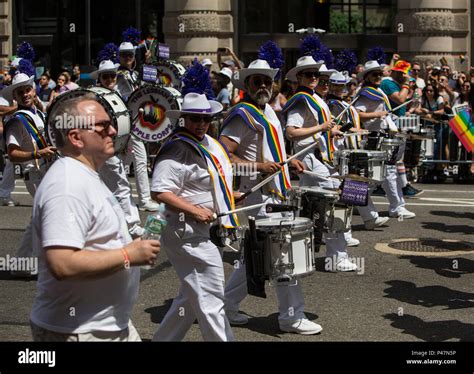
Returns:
(464,129)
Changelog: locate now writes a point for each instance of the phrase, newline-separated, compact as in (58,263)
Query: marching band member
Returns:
(337,105)
(308,120)
(88,276)
(193,177)
(373,107)
(24,138)
(113,172)
(127,82)
(254,138)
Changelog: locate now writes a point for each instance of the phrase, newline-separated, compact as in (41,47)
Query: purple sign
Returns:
(354,192)
(150,73)
(163,51)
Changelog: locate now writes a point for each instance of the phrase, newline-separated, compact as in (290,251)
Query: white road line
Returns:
(435,205)
(445,191)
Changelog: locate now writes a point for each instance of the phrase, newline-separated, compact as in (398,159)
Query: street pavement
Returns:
(397,297)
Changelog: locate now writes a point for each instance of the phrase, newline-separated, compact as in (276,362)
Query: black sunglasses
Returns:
(323,82)
(258,81)
(108,76)
(311,74)
(198,119)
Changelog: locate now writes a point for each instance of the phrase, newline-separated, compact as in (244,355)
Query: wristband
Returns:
(33,155)
(406,86)
(126,259)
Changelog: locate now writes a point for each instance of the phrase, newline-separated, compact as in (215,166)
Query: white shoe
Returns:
(352,242)
(236,318)
(403,213)
(5,201)
(150,206)
(302,326)
(377,222)
(136,231)
(344,264)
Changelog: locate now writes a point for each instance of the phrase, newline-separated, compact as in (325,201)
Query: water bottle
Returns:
(154,226)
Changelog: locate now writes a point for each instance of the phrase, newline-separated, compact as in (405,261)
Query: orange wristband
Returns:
(126,259)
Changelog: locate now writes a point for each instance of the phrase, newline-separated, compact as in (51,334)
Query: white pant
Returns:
(199,266)
(392,186)
(7,185)
(335,242)
(290,298)
(140,167)
(114,176)
(368,212)
(32,181)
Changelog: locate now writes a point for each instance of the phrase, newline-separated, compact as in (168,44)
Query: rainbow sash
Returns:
(322,113)
(220,170)
(375,94)
(273,144)
(32,129)
(352,142)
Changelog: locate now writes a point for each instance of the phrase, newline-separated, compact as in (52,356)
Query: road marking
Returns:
(422,204)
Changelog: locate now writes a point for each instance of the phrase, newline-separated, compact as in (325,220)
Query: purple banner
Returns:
(354,192)
(163,51)
(150,73)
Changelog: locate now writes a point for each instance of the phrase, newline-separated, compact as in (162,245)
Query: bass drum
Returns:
(170,73)
(148,105)
(113,105)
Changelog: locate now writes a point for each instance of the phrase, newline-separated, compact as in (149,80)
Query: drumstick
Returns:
(356,133)
(250,207)
(401,106)
(270,177)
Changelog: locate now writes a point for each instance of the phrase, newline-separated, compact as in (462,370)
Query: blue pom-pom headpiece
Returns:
(346,60)
(270,52)
(377,54)
(109,52)
(25,50)
(131,35)
(312,46)
(26,67)
(197,80)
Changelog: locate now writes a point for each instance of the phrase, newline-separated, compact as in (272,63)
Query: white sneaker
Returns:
(352,242)
(302,326)
(377,222)
(403,213)
(344,264)
(5,201)
(236,318)
(150,206)
(136,231)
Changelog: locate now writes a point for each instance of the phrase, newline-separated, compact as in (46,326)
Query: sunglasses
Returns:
(108,76)
(258,81)
(311,74)
(126,54)
(376,74)
(105,128)
(415,70)
(323,83)
(429,91)
(198,119)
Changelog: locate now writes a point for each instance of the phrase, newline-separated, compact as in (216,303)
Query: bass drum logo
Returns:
(148,105)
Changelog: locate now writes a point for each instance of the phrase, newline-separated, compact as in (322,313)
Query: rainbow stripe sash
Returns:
(273,145)
(32,129)
(374,94)
(352,142)
(220,170)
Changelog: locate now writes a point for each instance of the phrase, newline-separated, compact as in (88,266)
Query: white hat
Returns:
(206,62)
(127,47)
(303,63)
(368,67)
(339,78)
(194,103)
(255,67)
(3,101)
(226,72)
(323,70)
(106,65)
(19,80)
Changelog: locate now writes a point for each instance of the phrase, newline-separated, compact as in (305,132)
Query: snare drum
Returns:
(428,144)
(148,105)
(410,123)
(170,73)
(288,248)
(392,147)
(368,164)
(113,105)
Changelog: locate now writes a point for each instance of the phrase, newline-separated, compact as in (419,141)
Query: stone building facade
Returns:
(5,31)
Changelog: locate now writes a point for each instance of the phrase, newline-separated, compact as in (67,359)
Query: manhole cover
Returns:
(426,247)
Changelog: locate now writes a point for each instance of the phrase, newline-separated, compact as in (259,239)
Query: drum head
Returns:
(276,222)
(110,100)
(319,191)
(170,73)
(149,105)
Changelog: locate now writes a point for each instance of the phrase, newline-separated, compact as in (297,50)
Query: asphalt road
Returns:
(398,297)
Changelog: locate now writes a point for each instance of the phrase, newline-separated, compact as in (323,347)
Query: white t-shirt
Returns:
(366,105)
(18,135)
(74,208)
